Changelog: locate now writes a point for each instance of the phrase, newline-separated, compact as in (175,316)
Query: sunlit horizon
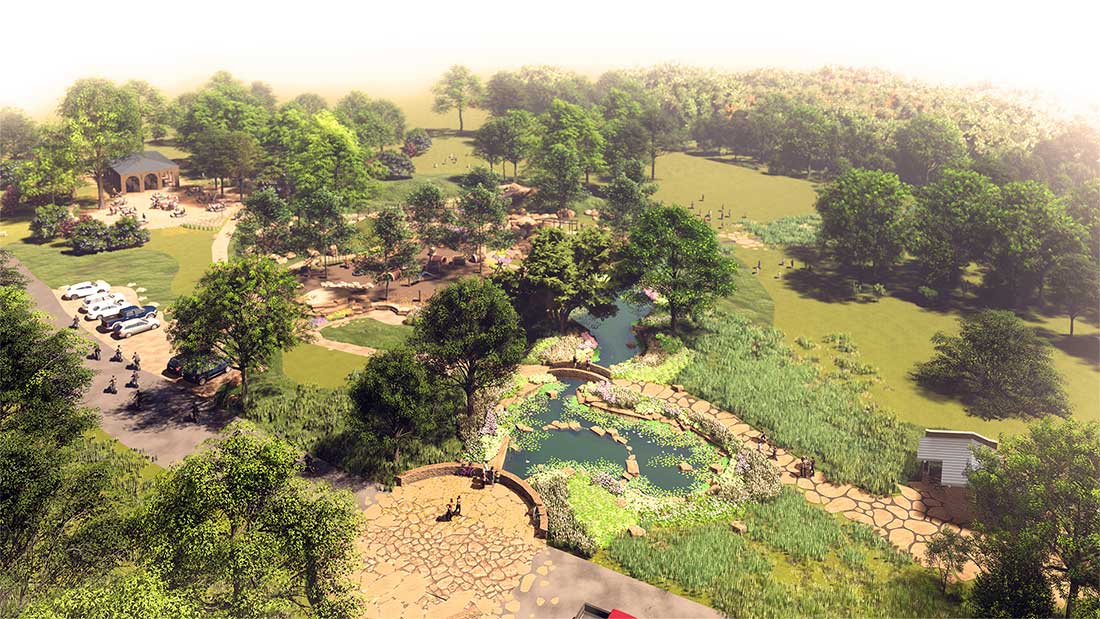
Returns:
(398,50)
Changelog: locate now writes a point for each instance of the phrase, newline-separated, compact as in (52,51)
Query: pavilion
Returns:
(143,171)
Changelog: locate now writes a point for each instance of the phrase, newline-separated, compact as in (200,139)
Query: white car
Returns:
(104,308)
(136,325)
(85,289)
(99,298)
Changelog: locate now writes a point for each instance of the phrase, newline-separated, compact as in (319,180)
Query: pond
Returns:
(656,462)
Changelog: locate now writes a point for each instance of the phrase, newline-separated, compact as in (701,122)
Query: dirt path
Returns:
(219,249)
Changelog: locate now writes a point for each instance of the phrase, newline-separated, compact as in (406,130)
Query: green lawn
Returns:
(370,333)
(167,266)
(750,297)
(893,335)
(315,365)
(684,178)
(150,469)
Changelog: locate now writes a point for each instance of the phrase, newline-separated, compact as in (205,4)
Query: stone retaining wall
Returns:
(506,479)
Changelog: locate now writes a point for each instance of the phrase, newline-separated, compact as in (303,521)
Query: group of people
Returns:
(135,365)
(764,447)
(165,202)
(454,508)
(807,467)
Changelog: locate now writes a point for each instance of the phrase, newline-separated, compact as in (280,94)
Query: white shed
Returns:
(946,455)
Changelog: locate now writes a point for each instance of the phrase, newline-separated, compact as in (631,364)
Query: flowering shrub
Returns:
(760,474)
(564,530)
(733,488)
(555,349)
(710,426)
(615,395)
(542,379)
(396,164)
(489,427)
(609,482)
(417,142)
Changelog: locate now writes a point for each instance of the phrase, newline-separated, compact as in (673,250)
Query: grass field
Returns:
(370,333)
(315,365)
(684,178)
(894,334)
(167,266)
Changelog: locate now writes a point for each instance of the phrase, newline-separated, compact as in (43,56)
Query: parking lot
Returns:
(152,346)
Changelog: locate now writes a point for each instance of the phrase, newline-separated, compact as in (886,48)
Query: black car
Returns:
(197,368)
(107,323)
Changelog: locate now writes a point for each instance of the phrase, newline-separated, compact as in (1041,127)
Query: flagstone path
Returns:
(908,519)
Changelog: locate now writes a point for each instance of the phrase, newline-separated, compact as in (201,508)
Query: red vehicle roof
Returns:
(618,614)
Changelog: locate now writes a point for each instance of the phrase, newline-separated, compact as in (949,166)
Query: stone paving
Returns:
(416,566)
(907,519)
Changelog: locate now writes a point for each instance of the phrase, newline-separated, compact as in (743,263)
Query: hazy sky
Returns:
(396,47)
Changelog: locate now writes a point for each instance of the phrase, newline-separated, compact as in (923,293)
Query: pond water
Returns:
(616,344)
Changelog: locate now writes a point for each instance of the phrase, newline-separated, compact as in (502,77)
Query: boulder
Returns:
(632,467)
(636,531)
(684,467)
(620,439)
(568,471)
(598,431)
(522,427)
(739,527)
(716,468)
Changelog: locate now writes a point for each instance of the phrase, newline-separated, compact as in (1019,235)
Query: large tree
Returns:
(997,366)
(397,400)
(571,124)
(864,219)
(470,334)
(564,272)
(321,222)
(626,199)
(237,530)
(19,135)
(377,122)
(223,102)
(558,176)
(103,122)
(676,254)
(954,219)
(246,311)
(1075,286)
(153,108)
(428,212)
(925,145)
(1041,491)
(458,89)
(396,251)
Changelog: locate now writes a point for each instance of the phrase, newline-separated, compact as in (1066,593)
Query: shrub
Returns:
(748,370)
(805,343)
(614,394)
(417,142)
(761,475)
(554,349)
(608,482)
(930,295)
(795,230)
(48,221)
(565,531)
(855,367)
(89,236)
(878,290)
(480,176)
(126,233)
(397,164)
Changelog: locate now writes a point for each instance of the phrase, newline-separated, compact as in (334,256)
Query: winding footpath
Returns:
(907,519)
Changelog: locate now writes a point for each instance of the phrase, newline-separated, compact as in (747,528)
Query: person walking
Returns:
(136,360)
(76,323)
(118,354)
(133,380)
(96,352)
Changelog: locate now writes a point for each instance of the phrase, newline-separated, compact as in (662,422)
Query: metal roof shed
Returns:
(952,451)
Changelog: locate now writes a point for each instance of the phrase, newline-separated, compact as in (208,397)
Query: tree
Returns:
(954,219)
(266,223)
(947,551)
(458,89)
(483,213)
(1031,232)
(223,102)
(137,595)
(9,275)
(428,211)
(245,310)
(1073,286)
(676,254)
(103,122)
(470,334)
(396,399)
(626,199)
(153,108)
(664,130)
(864,219)
(53,172)
(490,141)
(1083,205)
(398,252)
(377,123)
(244,156)
(19,136)
(1039,494)
(558,177)
(47,221)
(520,137)
(1012,583)
(212,156)
(925,145)
(321,223)
(578,128)
(242,535)
(309,102)
(504,92)
(997,366)
(263,94)
(562,273)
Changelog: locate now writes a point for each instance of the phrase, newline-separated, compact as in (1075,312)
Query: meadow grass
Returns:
(370,333)
(745,192)
(598,510)
(894,334)
(750,298)
(749,370)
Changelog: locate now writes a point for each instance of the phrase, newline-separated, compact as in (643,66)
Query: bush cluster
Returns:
(795,230)
(565,531)
(91,236)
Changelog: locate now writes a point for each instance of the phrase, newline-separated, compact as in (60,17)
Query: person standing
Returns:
(458,506)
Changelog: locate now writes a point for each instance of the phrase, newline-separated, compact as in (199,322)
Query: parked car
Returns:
(135,326)
(104,308)
(85,289)
(197,368)
(591,611)
(98,298)
(129,312)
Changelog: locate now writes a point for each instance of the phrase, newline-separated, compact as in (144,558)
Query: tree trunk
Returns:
(387,294)
(99,188)
(1071,598)
(653,165)
(515,175)
(244,386)
(469,407)
(586,176)
(673,318)
(461,127)
(1072,317)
